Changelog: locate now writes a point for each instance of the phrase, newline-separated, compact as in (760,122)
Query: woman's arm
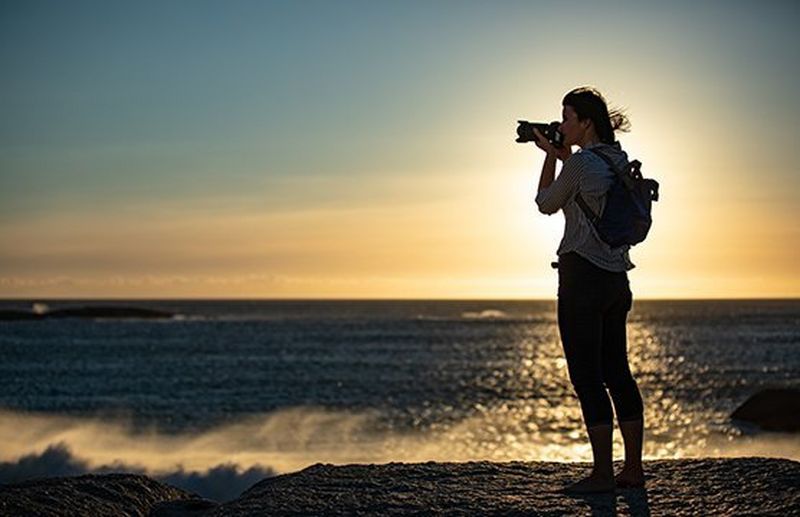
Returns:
(547,203)
(548,172)
(557,192)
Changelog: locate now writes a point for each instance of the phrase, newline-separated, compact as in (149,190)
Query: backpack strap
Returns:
(632,173)
(588,212)
(590,215)
(627,179)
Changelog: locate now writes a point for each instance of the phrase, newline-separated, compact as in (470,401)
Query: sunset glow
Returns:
(369,151)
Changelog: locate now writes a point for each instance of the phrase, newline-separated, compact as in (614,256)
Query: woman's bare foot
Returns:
(593,484)
(630,477)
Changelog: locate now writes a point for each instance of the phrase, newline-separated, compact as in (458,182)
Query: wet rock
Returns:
(183,508)
(740,486)
(91,494)
(724,486)
(774,409)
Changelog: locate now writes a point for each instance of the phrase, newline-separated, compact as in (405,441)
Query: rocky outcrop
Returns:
(91,494)
(734,486)
(775,409)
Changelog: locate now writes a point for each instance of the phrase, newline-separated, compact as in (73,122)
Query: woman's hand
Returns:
(562,153)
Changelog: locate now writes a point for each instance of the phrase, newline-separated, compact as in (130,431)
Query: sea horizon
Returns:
(373,299)
(250,388)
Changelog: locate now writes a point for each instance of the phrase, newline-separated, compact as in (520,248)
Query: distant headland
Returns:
(40,311)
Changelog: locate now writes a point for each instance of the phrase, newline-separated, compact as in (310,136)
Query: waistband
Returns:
(574,262)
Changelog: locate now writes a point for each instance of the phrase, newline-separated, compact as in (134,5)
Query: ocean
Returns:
(280,385)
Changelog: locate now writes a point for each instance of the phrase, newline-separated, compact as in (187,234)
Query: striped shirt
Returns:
(587,173)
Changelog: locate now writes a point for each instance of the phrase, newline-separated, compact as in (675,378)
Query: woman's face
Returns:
(573,129)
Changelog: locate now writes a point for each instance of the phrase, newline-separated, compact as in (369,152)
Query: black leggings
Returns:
(593,305)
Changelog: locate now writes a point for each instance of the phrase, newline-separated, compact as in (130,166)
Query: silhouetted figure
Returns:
(593,292)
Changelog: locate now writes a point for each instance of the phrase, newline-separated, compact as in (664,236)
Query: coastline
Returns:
(718,486)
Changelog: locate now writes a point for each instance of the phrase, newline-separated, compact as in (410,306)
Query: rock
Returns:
(90,494)
(183,508)
(774,409)
(674,487)
(724,486)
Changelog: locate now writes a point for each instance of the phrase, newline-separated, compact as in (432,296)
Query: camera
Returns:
(549,131)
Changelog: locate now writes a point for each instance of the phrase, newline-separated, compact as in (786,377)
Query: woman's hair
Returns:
(588,103)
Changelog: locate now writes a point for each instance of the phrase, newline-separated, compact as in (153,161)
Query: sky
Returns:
(304,149)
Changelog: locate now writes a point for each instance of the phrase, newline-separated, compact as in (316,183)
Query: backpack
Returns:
(626,217)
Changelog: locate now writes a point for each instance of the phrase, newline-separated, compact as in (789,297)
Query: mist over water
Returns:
(235,391)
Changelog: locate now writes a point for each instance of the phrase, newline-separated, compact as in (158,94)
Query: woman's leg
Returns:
(580,325)
(632,474)
(623,388)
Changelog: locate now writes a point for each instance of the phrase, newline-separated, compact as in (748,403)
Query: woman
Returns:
(593,293)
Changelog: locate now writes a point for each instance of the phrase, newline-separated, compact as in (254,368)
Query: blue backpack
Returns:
(626,217)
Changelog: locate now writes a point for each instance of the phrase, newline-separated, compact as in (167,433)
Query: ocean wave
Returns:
(486,314)
(223,482)
(231,456)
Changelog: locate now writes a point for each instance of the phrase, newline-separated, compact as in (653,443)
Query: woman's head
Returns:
(586,118)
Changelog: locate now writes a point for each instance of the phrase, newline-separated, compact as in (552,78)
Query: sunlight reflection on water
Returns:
(332,384)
